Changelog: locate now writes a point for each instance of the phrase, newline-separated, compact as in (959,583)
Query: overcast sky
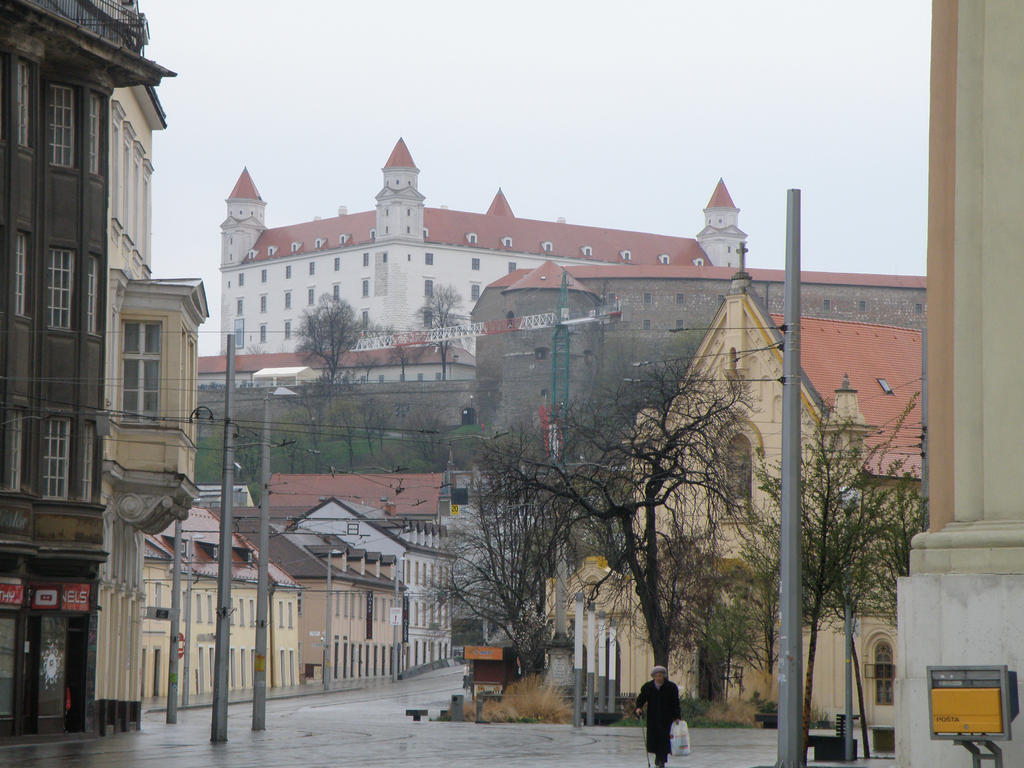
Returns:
(618,115)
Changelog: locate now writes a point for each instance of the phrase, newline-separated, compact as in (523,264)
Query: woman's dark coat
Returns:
(662,711)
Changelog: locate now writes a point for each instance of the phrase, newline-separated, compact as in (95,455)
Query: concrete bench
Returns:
(416,714)
(767,719)
(883,738)
(830,747)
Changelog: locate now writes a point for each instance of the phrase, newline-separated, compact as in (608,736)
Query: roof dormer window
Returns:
(271,250)
(251,254)
(507,242)
(426,233)
(373,234)
(471,238)
(319,242)
(698,262)
(587,250)
(547,246)
(663,258)
(295,247)
(626,255)
(342,239)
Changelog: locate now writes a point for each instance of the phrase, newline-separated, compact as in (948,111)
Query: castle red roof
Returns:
(244,188)
(720,198)
(400,157)
(547,275)
(377,358)
(500,206)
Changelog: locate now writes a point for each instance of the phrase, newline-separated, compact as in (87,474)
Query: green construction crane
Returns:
(559,373)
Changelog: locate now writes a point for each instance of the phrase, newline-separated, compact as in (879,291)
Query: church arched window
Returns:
(739,472)
(884,673)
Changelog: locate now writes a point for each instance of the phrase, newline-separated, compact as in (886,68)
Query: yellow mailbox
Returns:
(971,703)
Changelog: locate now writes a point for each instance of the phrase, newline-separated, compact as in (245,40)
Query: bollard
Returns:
(456,710)
(480,708)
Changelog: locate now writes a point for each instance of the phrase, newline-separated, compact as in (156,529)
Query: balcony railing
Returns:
(118,21)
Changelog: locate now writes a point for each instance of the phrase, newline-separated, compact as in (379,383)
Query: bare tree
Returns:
(646,459)
(442,308)
(326,333)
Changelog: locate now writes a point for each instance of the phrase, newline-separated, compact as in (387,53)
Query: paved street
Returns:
(368,727)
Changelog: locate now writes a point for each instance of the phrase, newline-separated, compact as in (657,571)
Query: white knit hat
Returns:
(659,668)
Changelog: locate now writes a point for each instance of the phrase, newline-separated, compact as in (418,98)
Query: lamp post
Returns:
(259,673)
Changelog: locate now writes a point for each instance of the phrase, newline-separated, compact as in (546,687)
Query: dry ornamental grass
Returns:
(529,700)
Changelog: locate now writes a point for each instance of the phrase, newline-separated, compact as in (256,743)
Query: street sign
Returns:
(396,617)
(181,644)
(455,510)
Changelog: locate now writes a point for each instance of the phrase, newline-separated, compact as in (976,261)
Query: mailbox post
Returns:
(973,706)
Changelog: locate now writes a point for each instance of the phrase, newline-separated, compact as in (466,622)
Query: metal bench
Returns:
(416,714)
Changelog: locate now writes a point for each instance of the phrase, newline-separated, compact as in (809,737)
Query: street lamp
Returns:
(259,675)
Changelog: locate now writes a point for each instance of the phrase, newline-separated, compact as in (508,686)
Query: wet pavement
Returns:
(368,727)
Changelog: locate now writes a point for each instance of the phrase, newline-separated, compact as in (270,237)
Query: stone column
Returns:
(961,603)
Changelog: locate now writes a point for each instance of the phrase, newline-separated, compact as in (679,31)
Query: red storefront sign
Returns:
(65,597)
(12,594)
(75,597)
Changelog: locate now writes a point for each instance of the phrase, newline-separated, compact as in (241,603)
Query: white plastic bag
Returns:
(679,738)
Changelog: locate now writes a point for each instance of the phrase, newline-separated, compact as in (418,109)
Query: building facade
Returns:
(387,262)
(198,600)
(59,65)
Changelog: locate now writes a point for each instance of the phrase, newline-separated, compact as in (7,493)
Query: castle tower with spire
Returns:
(721,236)
(245,221)
(399,203)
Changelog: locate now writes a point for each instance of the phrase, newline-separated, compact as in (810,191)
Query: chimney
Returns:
(362,565)
(561,219)
(378,567)
(343,210)
(317,218)
(443,207)
(344,560)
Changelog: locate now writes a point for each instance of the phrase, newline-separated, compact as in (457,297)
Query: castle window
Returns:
(252,254)
(287,329)
(241,279)
(263,304)
(698,262)
(474,291)
(337,263)
(547,246)
(373,234)
(507,242)
(366,259)
(827,305)
(475,264)
(366,287)
(588,251)
(319,242)
(408,211)
(295,247)
(680,299)
(312,267)
(263,333)
(263,275)
(648,298)
(428,288)
(663,258)
(918,309)
(426,233)
(288,272)
(287,299)
(342,239)
(512,266)
(311,296)
(271,250)
(647,325)
(625,255)
(238,307)
(337,292)
(862,306)
(428,258)
(471,238)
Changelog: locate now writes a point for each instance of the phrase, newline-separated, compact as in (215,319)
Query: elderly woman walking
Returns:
(662,699)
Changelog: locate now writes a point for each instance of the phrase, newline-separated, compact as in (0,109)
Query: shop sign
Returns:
(15,521)
(82,530)
(45,598)
(12,594)
(75,597)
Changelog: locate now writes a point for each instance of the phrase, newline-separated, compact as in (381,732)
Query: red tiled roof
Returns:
(244,188)
(413,495)
(691,272)
(400,157)
(831,349)
(203,525)
(450,227)
(720,198)
(547,275)
(500,206)
(252,363)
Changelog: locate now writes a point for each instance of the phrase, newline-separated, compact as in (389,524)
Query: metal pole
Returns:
(188,627)
(848,617)
(561,577)
(395,629)
(924,428)
(791,753)
(577,662)
(612,658)
(328,640)
(172,662)
(219,719)
(259,672)
(602,674)
(591,676)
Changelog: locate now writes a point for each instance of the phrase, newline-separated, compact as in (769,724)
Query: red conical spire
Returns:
(720,197)
(400,157)
(500,206)
(244,188)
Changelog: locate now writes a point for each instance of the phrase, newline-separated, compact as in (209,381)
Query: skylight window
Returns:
(885,387)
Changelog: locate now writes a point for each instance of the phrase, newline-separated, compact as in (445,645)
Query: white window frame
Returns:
(143,397)
(13,446)
(287,329)
(56,442)
(474,264)
(89,460)
(94,133)
(239,332)
(91,294)
(310,296)
(287,299)
(24,86)
(428,288)
(20,273)
(366,287)
(61,125)
(263,303)
(60,280)
(263,333)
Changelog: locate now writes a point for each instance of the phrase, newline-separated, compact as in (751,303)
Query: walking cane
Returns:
(643,735)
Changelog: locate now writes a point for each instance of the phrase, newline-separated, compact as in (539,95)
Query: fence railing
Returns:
(118,21)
